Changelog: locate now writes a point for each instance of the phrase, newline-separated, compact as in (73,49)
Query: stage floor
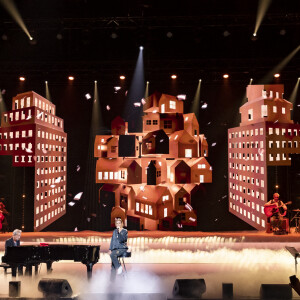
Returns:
(246,259)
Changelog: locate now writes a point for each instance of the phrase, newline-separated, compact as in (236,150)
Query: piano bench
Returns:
(121,259)
(5,267)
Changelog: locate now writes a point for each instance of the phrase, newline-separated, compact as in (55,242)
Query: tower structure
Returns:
(266,138)
(148,177)
(34,136)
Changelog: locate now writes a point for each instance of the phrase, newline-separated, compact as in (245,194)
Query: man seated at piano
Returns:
(14,241)
(118,246)
(277,218)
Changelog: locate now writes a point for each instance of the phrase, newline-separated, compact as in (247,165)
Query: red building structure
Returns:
(265,139)
(34,136)
(148,177)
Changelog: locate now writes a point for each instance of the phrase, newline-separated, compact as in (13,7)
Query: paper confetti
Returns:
(88,96)
(204,106)
(181,97)
(29,117)
(107,107)
(3,92)
(143,101)
(71,203)
(39,115)
(44,151)
(28,150)
(213,144)
(187,206)
(192,219)
(88,219)
(78,196)
(117,88)
(57,180)
(78,168)
(137,104)
(52,186)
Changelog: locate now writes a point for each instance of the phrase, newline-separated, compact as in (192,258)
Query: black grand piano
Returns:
(30,256)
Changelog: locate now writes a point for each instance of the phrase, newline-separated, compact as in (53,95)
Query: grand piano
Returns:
(30,256)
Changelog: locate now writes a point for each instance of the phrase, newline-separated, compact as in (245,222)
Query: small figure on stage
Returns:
(14,241)
(277,216)
(118,246)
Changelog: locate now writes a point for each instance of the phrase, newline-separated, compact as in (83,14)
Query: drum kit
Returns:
(296,217)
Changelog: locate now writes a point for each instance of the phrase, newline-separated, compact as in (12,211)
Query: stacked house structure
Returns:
(148,176)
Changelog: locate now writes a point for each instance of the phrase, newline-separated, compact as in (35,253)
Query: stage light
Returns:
(174,76)
(169,34)
(22,78)
(254,34)
(23,196)
(226,76)
(200,79)
(46,82)
(276,186)
(71,78)
(31,38)
(282,32)
(113,35)
(226,33)
(149,82)
(277,75)
(95,81)
(251,80)
(141,48)
(122,77)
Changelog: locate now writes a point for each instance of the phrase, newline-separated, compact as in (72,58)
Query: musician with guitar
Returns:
(275,209)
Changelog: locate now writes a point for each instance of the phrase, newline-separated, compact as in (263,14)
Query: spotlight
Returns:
(254,34)
(149,82)
(122,77)
(113,35)
(4,37)
(169,34)
(95,81)
(226,33)
(46,82)
(23,196)
(22,78)
(71,78)
(276,186)
(59,36)
(277,75)
(225,76)
(174,76)
(282,32)
(141,48)
(200,79)
(31,38)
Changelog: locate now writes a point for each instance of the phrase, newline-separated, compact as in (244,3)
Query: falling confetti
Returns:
(213,144)
(52,186)
(204,106)
(208,123)
(44,151)
(78,168)
(78,196)
(225,196)
(70,195)
(210,168)
(143,101)
(192,219)
(94,215)
(161,140)
(71,203)
(28,150)
(187,206)
(181,97)
(88,219)
(57,180)
(179,225)
(261,151)
(137,104)
(39,115)
(88,96)
(276,121)
(107,107)
(117,88)
(76,229)
(29,117)
(216,220)
(104,205)
(126,93)
(3,92)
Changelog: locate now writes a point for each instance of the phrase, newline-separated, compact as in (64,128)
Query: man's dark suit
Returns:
(10,243)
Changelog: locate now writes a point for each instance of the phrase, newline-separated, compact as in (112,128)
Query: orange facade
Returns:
(146,173)
(266,137)
(34,136)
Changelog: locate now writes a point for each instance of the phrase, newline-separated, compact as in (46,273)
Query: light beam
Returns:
(262,8)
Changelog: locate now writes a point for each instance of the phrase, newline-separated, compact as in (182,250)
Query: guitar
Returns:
(274,209)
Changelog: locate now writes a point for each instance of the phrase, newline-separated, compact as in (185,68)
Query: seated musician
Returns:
(277,218)
(14,241)
(118,246)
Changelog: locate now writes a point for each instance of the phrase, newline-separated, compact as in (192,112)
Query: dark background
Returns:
(208,39)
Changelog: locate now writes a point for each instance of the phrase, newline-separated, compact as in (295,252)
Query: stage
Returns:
(246,259)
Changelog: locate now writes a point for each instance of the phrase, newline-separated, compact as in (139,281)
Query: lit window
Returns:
(283,110)
(250,114)
(99,175)
(105,175)
(274,109)
(188,152)
(150,210)
(165,212)
(111,175)
(264,111)
(172,105)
